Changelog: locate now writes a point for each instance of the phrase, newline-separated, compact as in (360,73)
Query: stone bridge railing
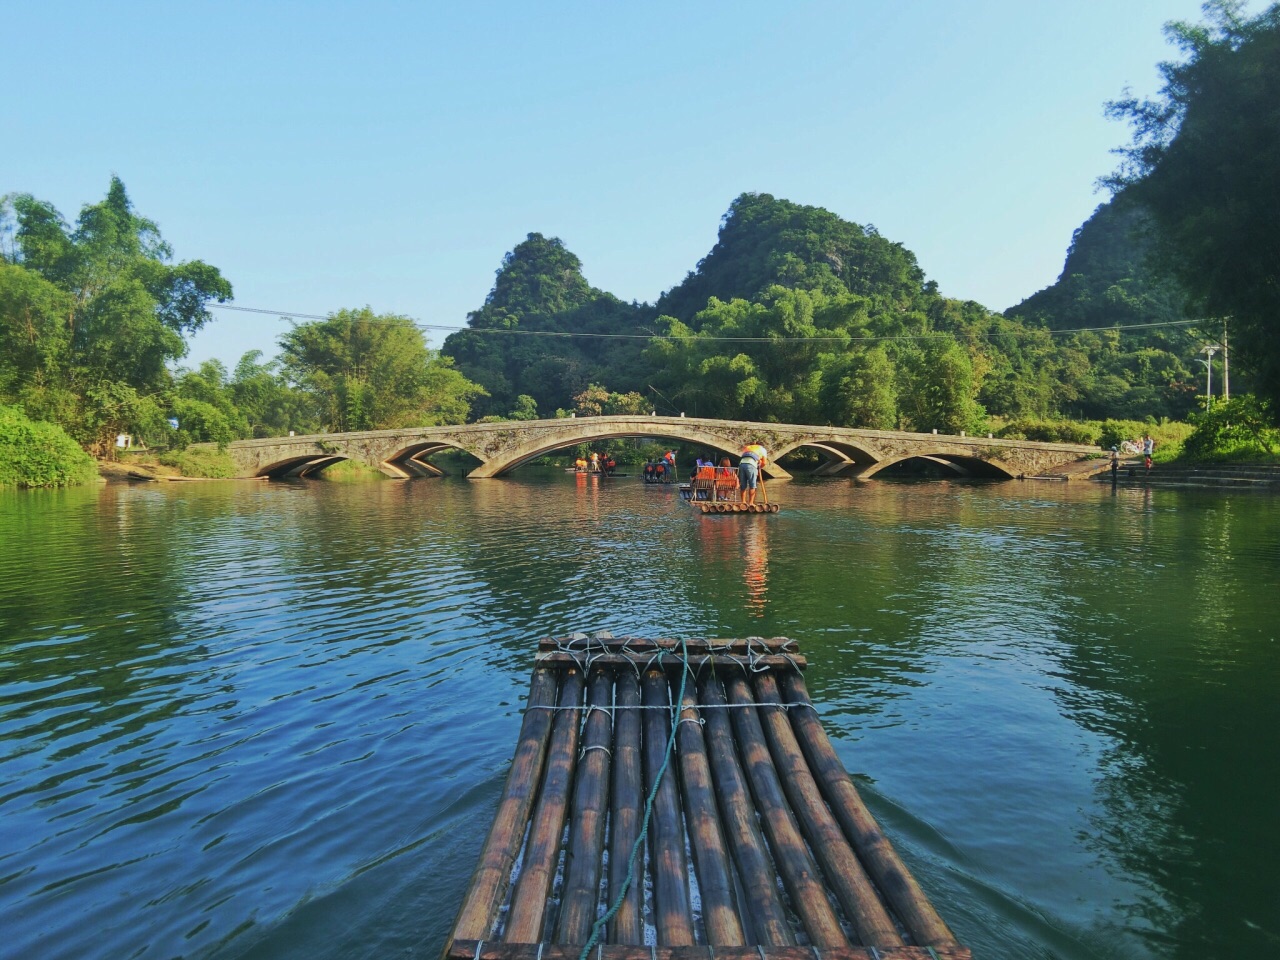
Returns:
(501,447)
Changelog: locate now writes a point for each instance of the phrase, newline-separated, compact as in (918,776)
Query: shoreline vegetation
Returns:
(795,315)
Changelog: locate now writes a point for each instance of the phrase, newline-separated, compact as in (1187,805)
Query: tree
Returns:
(1203,162)
(859,391)
(268,404)
(939,390)
(365,371)
(526,408)
(94,315)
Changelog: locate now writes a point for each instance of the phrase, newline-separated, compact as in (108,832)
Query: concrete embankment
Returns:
(1237,475)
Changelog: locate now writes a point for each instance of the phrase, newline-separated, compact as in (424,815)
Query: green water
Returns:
(260,720)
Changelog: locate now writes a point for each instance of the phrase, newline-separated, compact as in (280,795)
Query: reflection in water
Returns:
(273,719)
(736,544)
(755,573)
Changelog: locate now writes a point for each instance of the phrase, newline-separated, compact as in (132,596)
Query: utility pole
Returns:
(1208,375)
(1226,370)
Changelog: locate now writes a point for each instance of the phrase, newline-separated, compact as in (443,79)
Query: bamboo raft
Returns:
(722,507)
(758,847)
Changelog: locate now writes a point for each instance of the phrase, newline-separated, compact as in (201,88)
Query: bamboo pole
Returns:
(538,868)
(627,925)
(715,877)
(672,914)
(795,864)
(762,905)
(581,895)
(844,873)
(493,873)
(895,881)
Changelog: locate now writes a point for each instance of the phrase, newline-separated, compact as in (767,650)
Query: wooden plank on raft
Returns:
(672,913)
(883,863)
(581,893)
(493,873)
(695,661)
(702,819)
(625,811)
(538,868)
(473,950)
(795,864)
(844,874)
(608,644)
(762,907)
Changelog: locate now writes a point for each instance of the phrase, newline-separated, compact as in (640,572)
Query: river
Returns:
(273,720)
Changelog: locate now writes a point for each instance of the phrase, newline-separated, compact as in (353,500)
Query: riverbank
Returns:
(1256,475)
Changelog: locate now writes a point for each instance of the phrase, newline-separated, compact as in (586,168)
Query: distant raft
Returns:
(759,847)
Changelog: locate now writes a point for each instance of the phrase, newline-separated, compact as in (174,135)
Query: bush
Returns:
(37,454)
(1050,431)
(209,464)
(1236,429)
(200,422)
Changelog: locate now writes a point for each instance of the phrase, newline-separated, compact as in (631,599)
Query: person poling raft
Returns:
(710,493)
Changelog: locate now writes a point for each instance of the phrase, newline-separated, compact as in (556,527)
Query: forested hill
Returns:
(797,315)
(765,242)
(1107,279)
(540,290)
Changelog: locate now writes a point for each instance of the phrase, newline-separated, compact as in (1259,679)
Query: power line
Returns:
(294,315)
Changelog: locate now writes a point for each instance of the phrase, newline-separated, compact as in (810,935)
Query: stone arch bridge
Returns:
(501,447)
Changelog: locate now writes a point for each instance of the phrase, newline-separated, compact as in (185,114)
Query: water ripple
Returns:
(273,720)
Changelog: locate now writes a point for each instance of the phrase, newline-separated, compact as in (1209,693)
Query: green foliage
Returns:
(596,401)
(797,315)
(526,408)
(202,462)
(91,316)
(37,454)
(540,290)
(939,389)
(362,371)
(1108,281)
(860,390)
(201,422)
(109,408)
(1236,429)
(1203,164)
(351,471)
(766,242)
(269,406)
(1168,435)
(1051,431)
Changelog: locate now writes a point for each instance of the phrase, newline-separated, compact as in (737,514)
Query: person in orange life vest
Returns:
(726,480)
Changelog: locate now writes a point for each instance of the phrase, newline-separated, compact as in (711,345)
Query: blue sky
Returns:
(328,155)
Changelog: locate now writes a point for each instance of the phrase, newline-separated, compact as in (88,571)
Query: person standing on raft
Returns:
(754,457)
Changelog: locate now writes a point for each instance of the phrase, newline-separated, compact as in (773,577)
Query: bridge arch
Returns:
(842,456)
(412,460)
(300,466)
(964,465)
(595,429)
